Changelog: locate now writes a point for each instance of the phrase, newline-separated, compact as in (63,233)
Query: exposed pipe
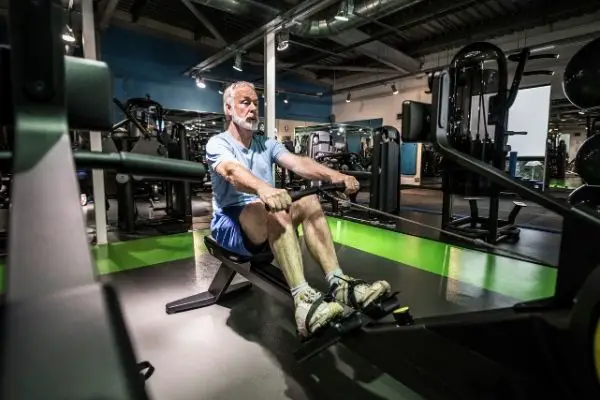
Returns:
(302,10)
(370,9)
(404,23)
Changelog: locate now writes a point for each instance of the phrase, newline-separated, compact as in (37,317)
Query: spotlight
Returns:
(348,98)
(222,89)
(237,64)
(283,40)
(394,90)
(214,122)
(200,83)
(67,35)
(285,100)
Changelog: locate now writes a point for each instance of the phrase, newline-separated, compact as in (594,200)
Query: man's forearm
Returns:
(241,178)
(312,170)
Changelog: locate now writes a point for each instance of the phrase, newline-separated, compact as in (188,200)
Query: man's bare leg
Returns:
(277,227)
(307,211)
(352,292)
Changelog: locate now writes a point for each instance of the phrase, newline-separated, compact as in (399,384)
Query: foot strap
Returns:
(352,284)
(311,312)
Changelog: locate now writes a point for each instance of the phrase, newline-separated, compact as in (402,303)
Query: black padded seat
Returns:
(214,248)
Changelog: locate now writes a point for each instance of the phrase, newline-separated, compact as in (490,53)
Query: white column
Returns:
(89,51)
(269,81)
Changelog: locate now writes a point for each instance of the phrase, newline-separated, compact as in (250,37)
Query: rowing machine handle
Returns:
(297,195)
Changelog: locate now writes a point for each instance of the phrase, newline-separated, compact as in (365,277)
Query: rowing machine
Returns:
(259,271)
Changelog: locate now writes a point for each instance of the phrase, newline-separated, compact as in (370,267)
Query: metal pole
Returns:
(89,51)
(270,84)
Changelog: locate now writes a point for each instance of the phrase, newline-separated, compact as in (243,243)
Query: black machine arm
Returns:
(297,195)
(131,163)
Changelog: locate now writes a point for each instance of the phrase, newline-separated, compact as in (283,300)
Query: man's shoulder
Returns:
(218,139)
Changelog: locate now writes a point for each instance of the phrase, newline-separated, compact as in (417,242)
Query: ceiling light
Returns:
(283,40)
(285,100)
(68,35)
(394,90)
(200,83)
(348,98)
(214,122)
(237,64)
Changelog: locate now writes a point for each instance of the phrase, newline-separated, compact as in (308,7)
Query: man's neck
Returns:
(243,136)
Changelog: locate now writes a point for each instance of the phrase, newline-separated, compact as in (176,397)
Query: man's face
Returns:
(245,108)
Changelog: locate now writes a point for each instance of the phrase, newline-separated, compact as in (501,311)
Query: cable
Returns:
(476,242)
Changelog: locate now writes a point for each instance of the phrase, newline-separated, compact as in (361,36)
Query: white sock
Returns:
(333,276)
(299,289)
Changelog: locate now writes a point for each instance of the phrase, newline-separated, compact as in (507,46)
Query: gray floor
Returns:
(244,347)
(240,349)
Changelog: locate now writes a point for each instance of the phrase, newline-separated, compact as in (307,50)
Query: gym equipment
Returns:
(147,134)
(259,271)
(468,79)
(384,184)
(53,307)
(541,348)
(580,84)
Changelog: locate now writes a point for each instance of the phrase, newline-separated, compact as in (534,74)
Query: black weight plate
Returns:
(587,161)
(581,76)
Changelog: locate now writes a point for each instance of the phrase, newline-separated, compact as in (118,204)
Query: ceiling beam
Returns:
(200,17)
(303,10)
(494,27)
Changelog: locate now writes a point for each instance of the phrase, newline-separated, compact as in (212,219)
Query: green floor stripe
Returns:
(131,254)
(514,278)
(517,279)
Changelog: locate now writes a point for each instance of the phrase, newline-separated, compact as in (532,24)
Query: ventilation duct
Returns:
(364,11)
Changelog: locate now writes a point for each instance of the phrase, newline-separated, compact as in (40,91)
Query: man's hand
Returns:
(351,182)
(276,199)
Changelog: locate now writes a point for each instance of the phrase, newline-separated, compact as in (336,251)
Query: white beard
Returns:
(242,123)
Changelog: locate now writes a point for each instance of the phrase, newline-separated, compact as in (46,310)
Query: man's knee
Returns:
(307,207)
(279,221)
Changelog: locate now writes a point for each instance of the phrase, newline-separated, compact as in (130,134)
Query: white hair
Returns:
(230,93)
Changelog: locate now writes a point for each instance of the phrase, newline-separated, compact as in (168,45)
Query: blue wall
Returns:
(143,64)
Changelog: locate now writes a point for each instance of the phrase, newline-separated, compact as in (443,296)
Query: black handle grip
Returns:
(297,195)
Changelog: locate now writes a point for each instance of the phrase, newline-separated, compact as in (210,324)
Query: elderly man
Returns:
(241,172)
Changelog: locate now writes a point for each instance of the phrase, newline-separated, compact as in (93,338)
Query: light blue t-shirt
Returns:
(259,159)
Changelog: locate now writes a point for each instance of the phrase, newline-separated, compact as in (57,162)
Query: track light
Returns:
(283,40)
(67,35)
(200,83)
(237,64)
(348,98)
(394,90)
(285,100)
(222,89)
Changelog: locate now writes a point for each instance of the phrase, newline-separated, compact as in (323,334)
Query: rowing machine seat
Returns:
(220,252)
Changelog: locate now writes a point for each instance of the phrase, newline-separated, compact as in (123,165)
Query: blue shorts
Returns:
(225,228)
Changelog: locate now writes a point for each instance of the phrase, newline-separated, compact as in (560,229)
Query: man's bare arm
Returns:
(308,168)
(240,177)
